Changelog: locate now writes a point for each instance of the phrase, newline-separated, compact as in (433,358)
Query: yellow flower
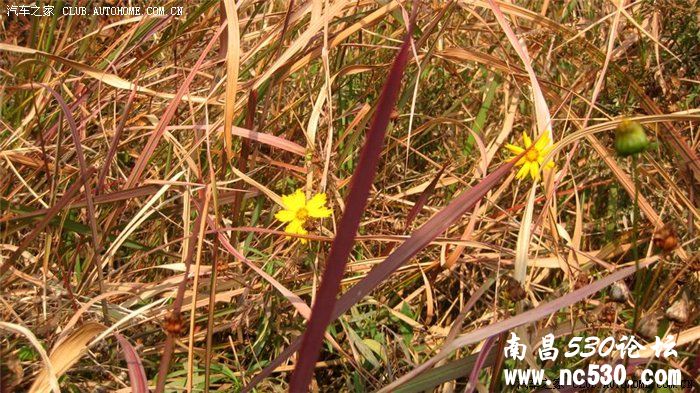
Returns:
(297,210)
(532,160)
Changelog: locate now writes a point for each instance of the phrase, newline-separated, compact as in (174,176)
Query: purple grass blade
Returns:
(420,238)
(116,196)
(115,143)
(479,364)
(537,313)
(137,374)
(355,206)
(423,198)
(84,169)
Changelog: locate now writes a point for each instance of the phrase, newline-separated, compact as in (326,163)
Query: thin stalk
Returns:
(635,252)
(214,265)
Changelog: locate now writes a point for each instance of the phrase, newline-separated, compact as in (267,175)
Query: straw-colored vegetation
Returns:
(152,235)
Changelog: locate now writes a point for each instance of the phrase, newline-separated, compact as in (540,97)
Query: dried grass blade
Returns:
(141,216)
(66,353)
(116,196)
(50,378)
(270,194)
(364,23)
(115,143)
(301,42)
(188,255)
(267,139)
(541,109)
(105,77)
(523,245)
(232,62)
(50,214)
(157,133)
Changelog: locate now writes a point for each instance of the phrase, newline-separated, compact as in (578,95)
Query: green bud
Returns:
(630,138)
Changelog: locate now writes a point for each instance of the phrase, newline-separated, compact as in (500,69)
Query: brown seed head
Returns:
(173,324)
(514,291)
(666,239)
(394,114)
(607,313)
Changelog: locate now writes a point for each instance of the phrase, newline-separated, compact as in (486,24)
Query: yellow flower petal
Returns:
(546,150)
(317,206)
(285,215)
(296,227)
(514,149)
(297,210)
(322,212)
(534,160)
(294,201)
(522,172)
(542,142)
(534,171)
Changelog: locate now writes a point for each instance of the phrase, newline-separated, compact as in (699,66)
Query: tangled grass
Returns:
(143,160)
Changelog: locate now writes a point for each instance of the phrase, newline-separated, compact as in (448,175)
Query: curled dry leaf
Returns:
(678,311)
(51,375)
(649,326)
(137,374)
(66,353)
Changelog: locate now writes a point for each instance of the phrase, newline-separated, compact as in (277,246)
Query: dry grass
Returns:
(139,183)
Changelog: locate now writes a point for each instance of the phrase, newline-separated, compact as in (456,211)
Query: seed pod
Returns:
(607,313)
(619,292)
(514,291)
(649,326)
(678,311)
(173,324)
(630,138)
(666,239)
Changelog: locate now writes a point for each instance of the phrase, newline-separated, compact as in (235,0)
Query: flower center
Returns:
(532,155)
(302,214)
